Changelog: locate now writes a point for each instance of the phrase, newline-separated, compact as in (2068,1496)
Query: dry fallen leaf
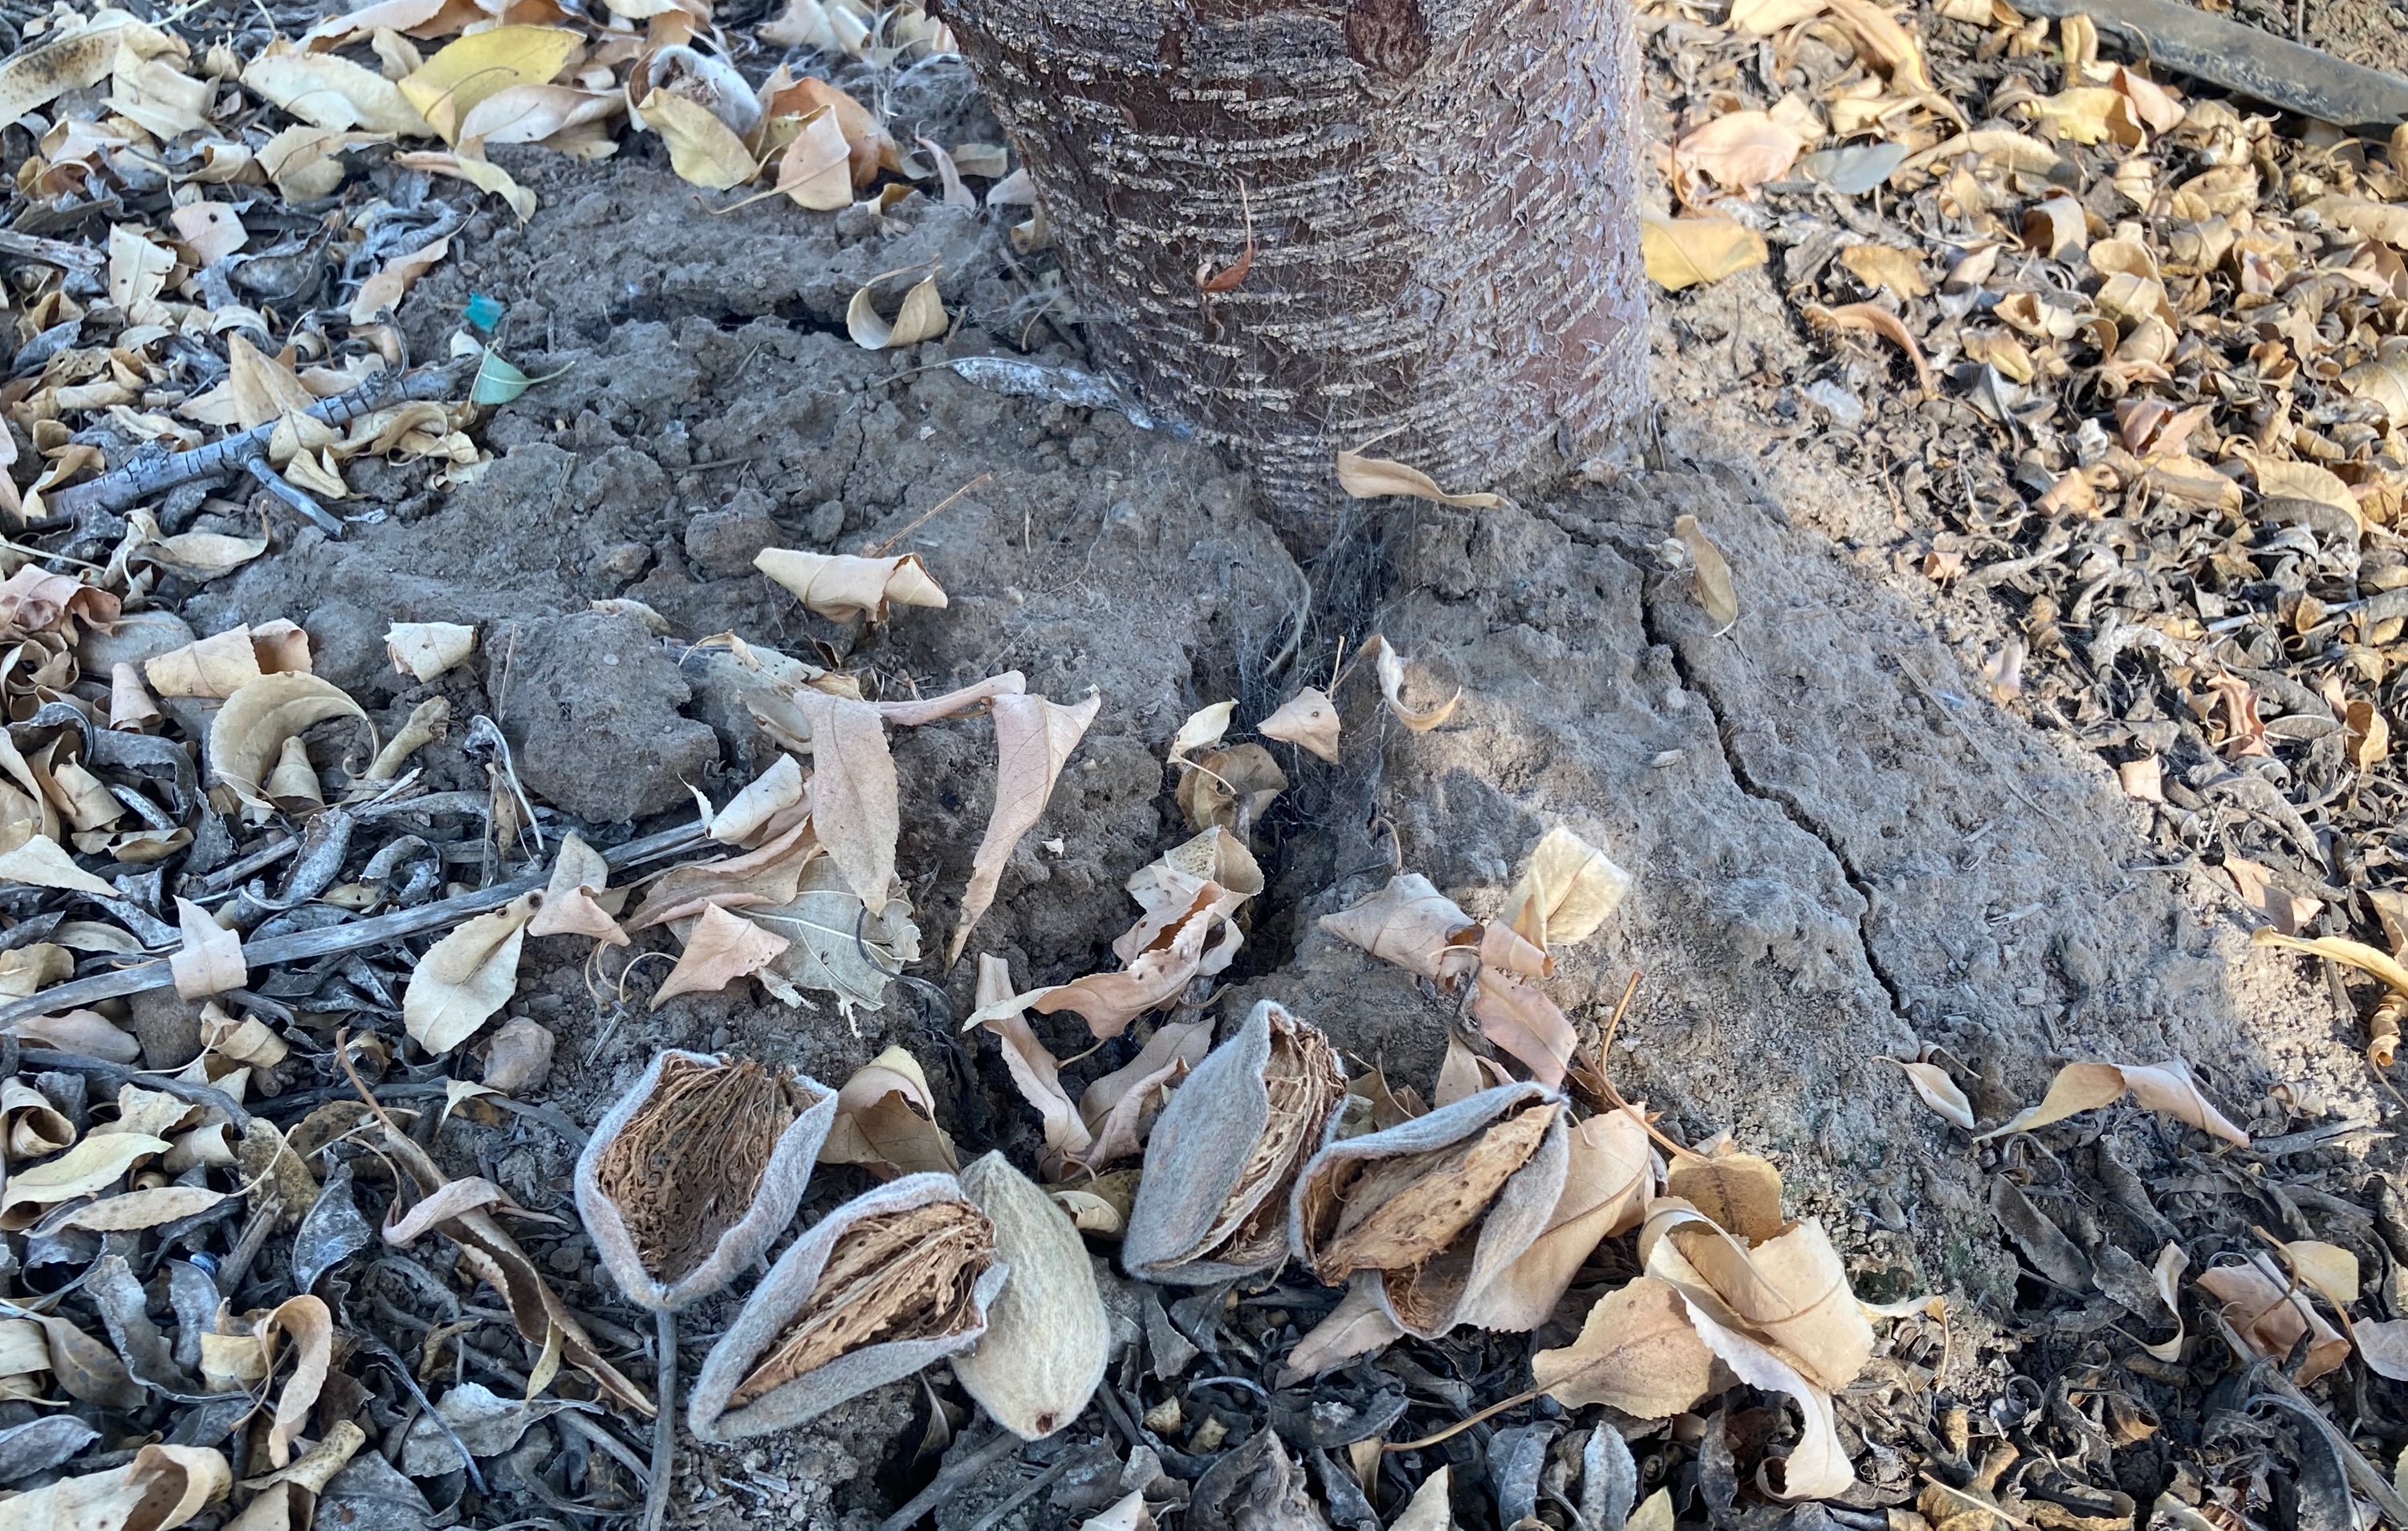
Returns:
(703,150)
(1685,252)
(1230,788)
(1936,1090)
(1637,1351)
(855,799)
(1739,151)
(1715,593)
(1567,890)
(466,977)
(1203,728)
(1391,669)
(721,949)
(1881,322)
(463,74)
(840,587)
(1738,1192)
(210,961)
(1888,269)
(2163,1087)
(922,317)
(248,735)
(1366,478)
(886,1122)
(2272,1315)
(1307,720)
(162,1488)
(1033,739)
(569,905)
(423,650)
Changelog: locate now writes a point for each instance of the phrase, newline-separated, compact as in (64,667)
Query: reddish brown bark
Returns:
(1445,240)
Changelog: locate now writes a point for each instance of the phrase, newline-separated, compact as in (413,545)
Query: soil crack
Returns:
(1795,812)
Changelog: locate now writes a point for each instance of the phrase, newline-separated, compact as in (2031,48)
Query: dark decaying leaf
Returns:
(2044,1244)
(331,1232)
(40,1444)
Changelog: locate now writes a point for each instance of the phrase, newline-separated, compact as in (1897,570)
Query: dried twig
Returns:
(121,488)
(656,1493)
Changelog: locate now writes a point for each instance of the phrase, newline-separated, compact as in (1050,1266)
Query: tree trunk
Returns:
(1443,223)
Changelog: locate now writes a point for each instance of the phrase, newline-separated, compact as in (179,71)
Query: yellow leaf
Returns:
(1888,268)
(449,85)
(1683,251)
(332,93)
(2163,1087)
(483,174)
(1715,592)
(702,150)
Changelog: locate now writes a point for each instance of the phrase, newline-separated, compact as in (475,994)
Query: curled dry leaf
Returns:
(1739,151)
(1226,1153)
(759,804)
(1203,728)
(1230,788)
(520,1058)
(840,587)
(1789,1291)
(1390,669)
(423,650)
(1047,1336)
(248,735)
(856,802)
(1715,593)
(93,1166)
(1308,720)
(210,961)
(922,317)
(1036,1073)
(305,1321)
(2164,1088)
(1033,739)
(1358,1326)
(570,905)
(2272,1316)
(1434,1210)
(697,1170)
(39,861)
(161,1489)
(719,949)
(1936,1090)
(1740,1192)
(880,1286)
(1687,251)
(1368,478)
(886,1122)
(1881,322)
(1118,1108)
(1608,1178)
(466,977)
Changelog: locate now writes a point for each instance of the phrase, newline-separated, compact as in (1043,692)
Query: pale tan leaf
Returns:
(143,1208)
(525,113)
(1368,478)
(385,290)
(162,1488)
(1307,720)
(1656,1512)
(39,861)
(1412,924)
(886,1122)
(1033,740)
(2280,478)
(924,710)
(332,93)
(1686,251)
(569,906)
(1035,1071)
(1391,668)
(1567,890)
(481,173)
(839,586)
(1740,1192)
(90,1168)
(2163,1087)
(248,735)
(1740,150)
(1463,1072)
(1431,1508)
(34,76)
(1607,1182)
(2261,1301)
(1715,592)
(1637,1351)
(1203,728)
(817,171)
(922,317)
(85,1031)
(210,961)
(1888,269)
(2330,1269)
(2385,1346)
(463,74)
(1818,1466)
(2385,381)
(1358,1326)
(466,977)
(1881,322)
(721,949)
(423,650)
(307,1323)
(138,272)
(855,799)
(1117,1108)
(767,796)
(1937,1091)
(2167,1273)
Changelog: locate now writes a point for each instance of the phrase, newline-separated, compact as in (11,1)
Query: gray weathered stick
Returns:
(366,932)
(2271,69)
(123,487)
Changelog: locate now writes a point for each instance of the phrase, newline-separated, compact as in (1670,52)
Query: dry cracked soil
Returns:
(1843,851)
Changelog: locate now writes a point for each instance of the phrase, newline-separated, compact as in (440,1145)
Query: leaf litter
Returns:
(1522,1237)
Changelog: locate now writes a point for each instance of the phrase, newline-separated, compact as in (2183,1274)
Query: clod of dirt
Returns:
(723,542)
(169,1026)
(593,717)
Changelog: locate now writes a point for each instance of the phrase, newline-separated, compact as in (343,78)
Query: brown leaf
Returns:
(1715,592)
(307,1323)
(1791,1292)
(855,801)
(1033,740)
(2261,1301)
(1739,1192)
(1887,269)
(1412,924)
(1036,1073)
(1638,1353)
(886,1122)
(1307,720)
(162,1488)
(1118,1108)
(721,949)
(1881,322)
(770,873)
(1231,788)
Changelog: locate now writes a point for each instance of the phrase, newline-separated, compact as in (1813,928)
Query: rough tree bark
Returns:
(1441,209)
